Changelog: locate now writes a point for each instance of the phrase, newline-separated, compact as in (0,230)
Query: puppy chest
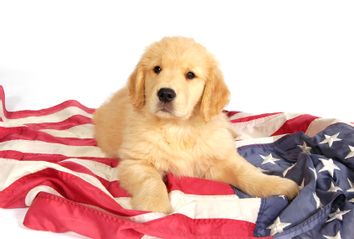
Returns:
(180,155)
(182,152)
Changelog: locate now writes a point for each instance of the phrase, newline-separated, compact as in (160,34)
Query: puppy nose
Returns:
(166,95)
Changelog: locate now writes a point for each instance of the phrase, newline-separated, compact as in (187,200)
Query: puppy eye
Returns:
(190,75)
(157,69)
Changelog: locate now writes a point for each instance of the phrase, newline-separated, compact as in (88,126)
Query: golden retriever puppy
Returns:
(169,119)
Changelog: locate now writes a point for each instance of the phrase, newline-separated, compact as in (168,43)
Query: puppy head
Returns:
(176,78)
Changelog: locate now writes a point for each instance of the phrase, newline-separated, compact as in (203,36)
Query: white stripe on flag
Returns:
(84,131)
(240,115)
(261,127)
(100,169)
(33,146)
(318,125)
(203,206)
(12,170)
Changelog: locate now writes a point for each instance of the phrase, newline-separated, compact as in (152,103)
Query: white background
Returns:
(293,56)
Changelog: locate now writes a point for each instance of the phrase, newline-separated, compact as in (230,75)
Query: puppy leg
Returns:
(243,175)
(146,186)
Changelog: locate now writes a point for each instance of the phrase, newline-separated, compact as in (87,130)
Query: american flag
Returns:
(49,162)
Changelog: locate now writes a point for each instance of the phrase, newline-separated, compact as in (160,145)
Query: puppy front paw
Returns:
(281,186)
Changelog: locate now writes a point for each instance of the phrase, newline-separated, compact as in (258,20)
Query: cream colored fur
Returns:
(191,138)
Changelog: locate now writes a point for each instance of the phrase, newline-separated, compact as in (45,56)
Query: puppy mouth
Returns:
(166,108)
(168,111)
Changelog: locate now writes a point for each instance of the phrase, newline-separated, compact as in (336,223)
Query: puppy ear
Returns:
(215,95)
(136,87)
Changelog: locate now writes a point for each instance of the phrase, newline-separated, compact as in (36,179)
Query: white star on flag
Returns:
(277,226)
(337,215)
(287,169)
(314,172)
(328,165)
(351,153)
(268,159)
(334,188)
(317,200)
(330,139)
(337,236)
(283,197)
(351,189)
(305,149)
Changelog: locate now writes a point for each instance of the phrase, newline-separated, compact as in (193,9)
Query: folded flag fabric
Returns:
(49,162)
(323,167)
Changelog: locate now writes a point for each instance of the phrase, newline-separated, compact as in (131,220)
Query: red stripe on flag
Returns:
(2,99)
(297,124)
(53,158)
(50,212)
(26,133)
(198,186)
